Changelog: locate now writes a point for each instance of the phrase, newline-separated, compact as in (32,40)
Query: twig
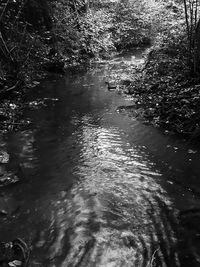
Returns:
(5,46)
(77,15)
(3,52)
(20,43)
(27,56)
(11,123)
(150,264)
(19,11)
(2,13)
(12,88)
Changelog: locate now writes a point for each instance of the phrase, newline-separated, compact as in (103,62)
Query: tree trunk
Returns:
(197,49)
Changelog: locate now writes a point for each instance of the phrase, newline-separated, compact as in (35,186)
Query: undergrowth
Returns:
(165,93)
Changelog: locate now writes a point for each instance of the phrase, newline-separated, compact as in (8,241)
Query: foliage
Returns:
(82,35)
(165,93)
(36,31)
(140,22)
(96,34)
(192,21)
(21,45)
(132,24)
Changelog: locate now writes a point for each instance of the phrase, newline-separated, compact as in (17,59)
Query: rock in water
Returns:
(8,206)
(111,85)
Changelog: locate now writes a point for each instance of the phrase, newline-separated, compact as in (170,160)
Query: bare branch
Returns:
(2,13)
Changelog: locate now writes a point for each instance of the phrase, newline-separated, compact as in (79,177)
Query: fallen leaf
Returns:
(15,263)
(190,151)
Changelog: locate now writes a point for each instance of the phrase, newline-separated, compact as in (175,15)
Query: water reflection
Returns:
(98,190)
(114,215)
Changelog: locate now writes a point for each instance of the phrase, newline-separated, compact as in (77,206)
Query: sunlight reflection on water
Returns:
(116,203)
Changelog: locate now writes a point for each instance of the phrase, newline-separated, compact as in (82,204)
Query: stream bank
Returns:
(165,94)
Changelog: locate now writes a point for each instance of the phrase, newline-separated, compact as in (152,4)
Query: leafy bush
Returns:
(85,34)
(21,44)
(133,24)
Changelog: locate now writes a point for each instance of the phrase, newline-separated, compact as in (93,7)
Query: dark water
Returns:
(99,188)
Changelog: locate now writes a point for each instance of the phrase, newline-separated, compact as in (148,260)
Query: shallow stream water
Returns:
(97,187)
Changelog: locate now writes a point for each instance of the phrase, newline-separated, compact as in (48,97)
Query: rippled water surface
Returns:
(99,188)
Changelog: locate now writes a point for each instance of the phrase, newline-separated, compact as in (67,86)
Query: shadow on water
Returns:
(100,188)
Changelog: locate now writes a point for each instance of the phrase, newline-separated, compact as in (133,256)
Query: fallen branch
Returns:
(10,89)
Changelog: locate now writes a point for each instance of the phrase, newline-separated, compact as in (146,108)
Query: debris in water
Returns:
(190,151)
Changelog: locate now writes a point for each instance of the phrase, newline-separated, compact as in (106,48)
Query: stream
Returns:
(98,187)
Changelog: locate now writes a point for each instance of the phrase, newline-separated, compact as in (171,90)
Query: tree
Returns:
(192,21)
